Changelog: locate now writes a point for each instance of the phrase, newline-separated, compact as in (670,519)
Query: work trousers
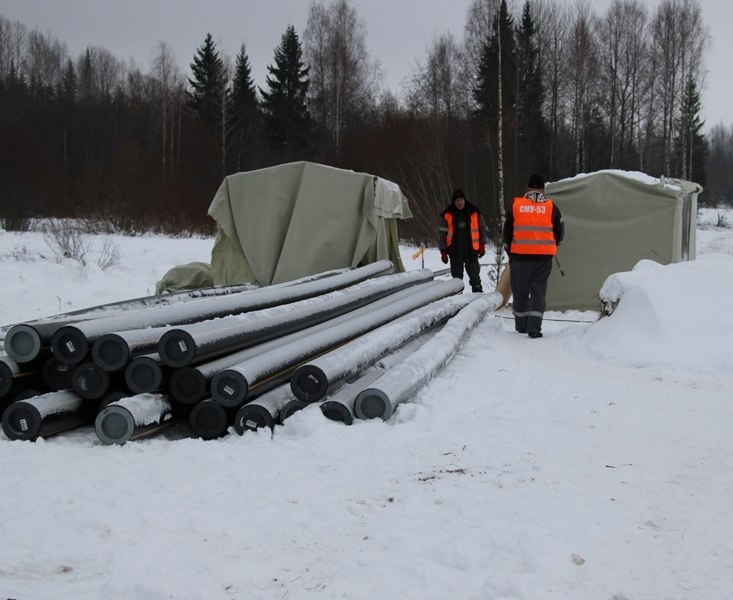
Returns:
(528,277)
(468,261)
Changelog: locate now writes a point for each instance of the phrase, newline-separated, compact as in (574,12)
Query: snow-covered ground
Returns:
(594,463)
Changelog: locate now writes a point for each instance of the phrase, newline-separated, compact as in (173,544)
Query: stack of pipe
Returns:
(217,359)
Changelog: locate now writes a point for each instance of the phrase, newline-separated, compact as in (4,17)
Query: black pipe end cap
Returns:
(336,411)
(143,375)
(229,388)
(110,352)
(69,345)
(89,381)
(177,348)
(187,385)
(252,417)
(114,425)
(291,407)
(56,375)
(22,421)
(208,420)
(309,383)
(22,343)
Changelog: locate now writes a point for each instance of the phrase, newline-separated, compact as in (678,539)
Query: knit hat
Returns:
(536,182)
(457,193)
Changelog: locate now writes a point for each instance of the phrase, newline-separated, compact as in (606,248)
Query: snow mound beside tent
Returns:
(658,315)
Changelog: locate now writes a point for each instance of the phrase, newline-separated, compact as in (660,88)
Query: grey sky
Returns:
(398,31)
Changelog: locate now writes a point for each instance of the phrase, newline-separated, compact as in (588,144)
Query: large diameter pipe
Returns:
(232,386)
(402,381)
(71,343)
(209,420)
(25,341)
(133,418)
(14,377)
(45,415)
(204,341)
(190,384)
(339,404)
(57,375)
(92,383)
(145,374)
(263,411)
(311,382)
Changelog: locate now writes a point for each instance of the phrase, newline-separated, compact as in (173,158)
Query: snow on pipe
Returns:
(190,384)
(133,418)
(232,386)
(146,374)
(113,350)
(290,408)
(339,405)
(263,411)
(204,341)
(402,381)
(47,414)
(71,343)
(25,341)
(311,382)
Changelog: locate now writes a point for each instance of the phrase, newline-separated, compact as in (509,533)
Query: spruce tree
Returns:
(243,113)
(287,119)
(691,145)
(208,84)
(531,126)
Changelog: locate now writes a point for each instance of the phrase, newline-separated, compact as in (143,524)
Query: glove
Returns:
(444,257)
(481,250)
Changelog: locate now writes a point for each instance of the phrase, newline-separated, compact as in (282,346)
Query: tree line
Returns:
(543,86)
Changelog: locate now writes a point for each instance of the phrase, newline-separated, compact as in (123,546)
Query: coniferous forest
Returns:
(545,86)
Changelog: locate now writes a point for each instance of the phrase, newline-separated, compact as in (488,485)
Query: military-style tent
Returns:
(289,221)
(614,219)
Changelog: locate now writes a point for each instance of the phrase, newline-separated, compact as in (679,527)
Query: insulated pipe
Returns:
(209,420)
(190,384)
(46,415)
(232,386)
(92,383)
(204,341)
(56,375)
(133,418)
(311,382)
(339,406)
(14,377)
(145,374)
(289,409)
(402,381)
(263,411)
(26,341)
(114,350)
(71,342)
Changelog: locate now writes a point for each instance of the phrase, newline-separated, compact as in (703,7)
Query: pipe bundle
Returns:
(219,360)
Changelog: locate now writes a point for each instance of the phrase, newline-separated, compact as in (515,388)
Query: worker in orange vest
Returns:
(462,239)
(532,232)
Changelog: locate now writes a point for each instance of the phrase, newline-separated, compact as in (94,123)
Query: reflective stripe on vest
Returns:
(475,233)
(533,231)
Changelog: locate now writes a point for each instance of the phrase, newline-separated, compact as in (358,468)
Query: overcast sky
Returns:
(398,31)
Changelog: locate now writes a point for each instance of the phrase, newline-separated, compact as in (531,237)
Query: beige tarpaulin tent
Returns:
(614,219)
(293,220)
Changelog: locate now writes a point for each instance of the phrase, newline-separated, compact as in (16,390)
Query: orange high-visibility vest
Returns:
(475,233)
(533,231)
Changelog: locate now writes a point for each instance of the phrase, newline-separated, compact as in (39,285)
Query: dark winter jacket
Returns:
(461,231)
